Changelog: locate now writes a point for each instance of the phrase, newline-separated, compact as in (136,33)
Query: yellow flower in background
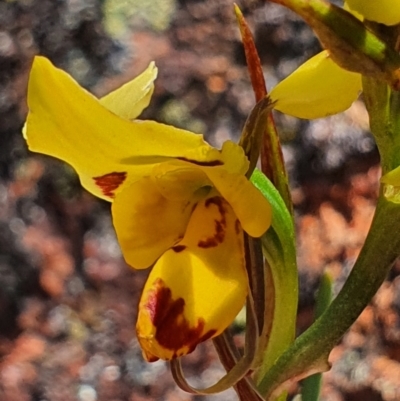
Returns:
(319,87)
(179,204)
(383,11)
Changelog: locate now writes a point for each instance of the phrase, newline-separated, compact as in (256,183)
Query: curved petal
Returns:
(179,180)
(195,289)
(234,158)
(147,223)
(318,88)
(250,206)
(132,98)
(384,11)
(108,152)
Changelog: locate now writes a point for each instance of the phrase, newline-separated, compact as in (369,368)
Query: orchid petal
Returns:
(234,158)
(108,152)
(147,223)
(250,206)
(383,11)
(179,180)
(132,98)
(195,289)
(318,88)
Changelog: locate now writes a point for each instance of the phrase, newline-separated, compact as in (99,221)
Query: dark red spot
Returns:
(108,183)
(219,224)
(211,163)
(167,315)
(179,248)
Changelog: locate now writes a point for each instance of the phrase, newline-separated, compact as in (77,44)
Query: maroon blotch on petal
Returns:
(173,330)
(108,183)
(219,224)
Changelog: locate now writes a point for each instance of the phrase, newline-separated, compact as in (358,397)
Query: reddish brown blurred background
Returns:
(67,299)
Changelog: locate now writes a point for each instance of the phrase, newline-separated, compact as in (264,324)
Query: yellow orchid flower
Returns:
(178,204)
(319,87)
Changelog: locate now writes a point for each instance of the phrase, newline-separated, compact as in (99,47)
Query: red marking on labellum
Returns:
(108,183)
(179,248)
(219,224)
(211,163)
(173,330)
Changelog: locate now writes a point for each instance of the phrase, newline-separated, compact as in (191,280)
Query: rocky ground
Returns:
(67,299)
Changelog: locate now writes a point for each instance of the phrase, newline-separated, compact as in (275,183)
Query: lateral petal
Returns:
(108,152)
(147,223)
(318,88)
(132,98)
(195,289)
(251,208)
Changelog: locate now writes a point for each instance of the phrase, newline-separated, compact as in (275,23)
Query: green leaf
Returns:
(279,249)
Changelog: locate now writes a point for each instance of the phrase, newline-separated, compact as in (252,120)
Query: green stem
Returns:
(309,352)
(383,105)
(311,386)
